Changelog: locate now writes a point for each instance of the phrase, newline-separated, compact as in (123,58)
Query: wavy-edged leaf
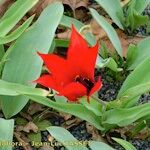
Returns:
(66,138)
(126,116)
(135,91)
(141,52)
(6,130)
(108,62)
(24,65)
(141,75)
(15,34)
(114,9)
(94,105)
(141,5)
(14,14)
(109,30)
(125,144)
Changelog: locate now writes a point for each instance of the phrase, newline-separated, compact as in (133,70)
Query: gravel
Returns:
(110,87)
(141,144)
(80,132)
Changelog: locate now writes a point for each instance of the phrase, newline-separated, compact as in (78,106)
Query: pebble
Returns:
(80,132)
(141,144)
(110,87)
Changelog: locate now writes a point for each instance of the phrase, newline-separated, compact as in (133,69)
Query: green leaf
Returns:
(113,8)
(21,121)
(14,35)
(125,144)
(126,116)
(66,138)
(141,5)
(135,91)
(135,20)
(6,130)
(141,75)
(14,89)
(35,139)
(75,109)
(141,54)
(61,43)
(99,146)
(2,52)
(68,21)
(108,62)
(131,54)
(24,64)
(42,125)
(14,14)
(93,106)
(109,30)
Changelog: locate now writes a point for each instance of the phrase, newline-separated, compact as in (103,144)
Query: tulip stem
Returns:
(104,105)
(84,27)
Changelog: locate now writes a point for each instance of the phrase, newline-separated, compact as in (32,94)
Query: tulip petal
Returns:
(96,87)
(80,57)
(58,67)
(47,81)
(77,43)
(73,91)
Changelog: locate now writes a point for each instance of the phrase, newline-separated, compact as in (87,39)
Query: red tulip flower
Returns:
(72,77)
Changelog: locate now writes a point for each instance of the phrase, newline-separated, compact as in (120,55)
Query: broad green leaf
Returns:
(66,138)
(142,53)
(14,35)
(114,9)
(14,89)
(94,105)
(135,20)
(125,144)
(109,30)
(135,91)
(68,21)
(126,116)
(24,65)
(109,63)
(141,5)
(141,75)
(6,133)
(77,110)
(14,14)
(99,146)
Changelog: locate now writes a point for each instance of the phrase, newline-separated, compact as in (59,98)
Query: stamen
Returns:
(84,81)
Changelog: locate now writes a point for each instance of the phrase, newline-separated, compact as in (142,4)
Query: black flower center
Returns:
(85,82)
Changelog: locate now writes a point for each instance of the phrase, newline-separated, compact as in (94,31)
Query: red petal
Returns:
(47,81)
(58,67)
(96,87)
(73,91)
(77,43)
(81,58)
